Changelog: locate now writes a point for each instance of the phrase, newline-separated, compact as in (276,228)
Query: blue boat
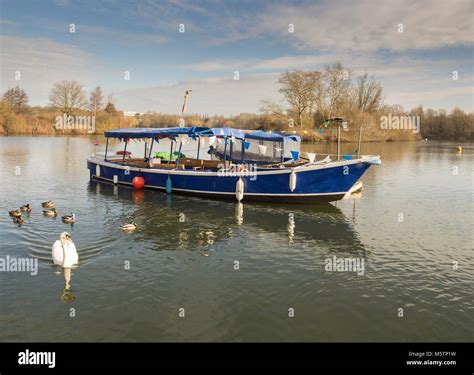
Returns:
(230,164)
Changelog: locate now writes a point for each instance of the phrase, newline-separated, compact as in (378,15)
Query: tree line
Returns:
(67,98)
(314,96)
(310,98)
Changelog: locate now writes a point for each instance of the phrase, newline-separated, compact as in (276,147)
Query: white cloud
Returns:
(369,25)
(213,65)
(42,62)
(101,34)
(159,15)
(88,35)
(402,67)
(277,63)
(447,97)
(224,96)
(409,82)
(406,81)
(217,95)
(354,33)
(7,22)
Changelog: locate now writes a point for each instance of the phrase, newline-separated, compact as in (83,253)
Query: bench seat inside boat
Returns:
(183,164)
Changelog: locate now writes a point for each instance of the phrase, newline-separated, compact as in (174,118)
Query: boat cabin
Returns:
(214,148)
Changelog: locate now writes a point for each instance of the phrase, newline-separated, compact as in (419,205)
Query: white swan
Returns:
(64,251)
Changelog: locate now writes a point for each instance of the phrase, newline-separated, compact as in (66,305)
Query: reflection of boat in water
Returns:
(249,166)
(186,221)
(357,187)
(355,191)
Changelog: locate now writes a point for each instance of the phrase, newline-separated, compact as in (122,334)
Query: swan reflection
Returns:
(66,295)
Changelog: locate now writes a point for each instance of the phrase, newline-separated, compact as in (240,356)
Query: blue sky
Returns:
(221,37)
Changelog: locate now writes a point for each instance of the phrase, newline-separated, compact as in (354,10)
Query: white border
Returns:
(221,192)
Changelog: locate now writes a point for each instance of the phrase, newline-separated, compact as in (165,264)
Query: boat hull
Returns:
(314,184)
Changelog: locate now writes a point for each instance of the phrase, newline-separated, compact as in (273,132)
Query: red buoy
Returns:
(138,182)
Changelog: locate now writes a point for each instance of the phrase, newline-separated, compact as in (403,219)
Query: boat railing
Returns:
(335,157)
(185,163)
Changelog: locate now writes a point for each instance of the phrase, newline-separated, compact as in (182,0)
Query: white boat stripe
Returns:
(222,192)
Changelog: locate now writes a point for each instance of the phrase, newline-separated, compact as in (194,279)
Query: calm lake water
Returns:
(190,265)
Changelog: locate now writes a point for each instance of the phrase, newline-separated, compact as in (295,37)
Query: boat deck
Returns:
(194,164)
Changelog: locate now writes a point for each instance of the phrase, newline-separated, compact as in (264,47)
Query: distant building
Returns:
(133,114)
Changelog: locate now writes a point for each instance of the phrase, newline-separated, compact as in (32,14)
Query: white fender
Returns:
(239,189)
(292,180)
(97,170)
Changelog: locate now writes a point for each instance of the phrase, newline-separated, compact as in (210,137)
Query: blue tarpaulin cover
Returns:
(271,136)
(223,132)
(199,131)
(152,132)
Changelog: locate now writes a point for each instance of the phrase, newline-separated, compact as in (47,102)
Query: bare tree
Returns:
(17,98)
(68,96)
(369,94)
(321,95)
(269,107)
(337,88)
(111,99)
(298,89)
(110,107)
(96,100)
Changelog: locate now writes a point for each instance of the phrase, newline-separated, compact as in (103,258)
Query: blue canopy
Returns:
(153,132)
(223,132)
(271,136)
(199,131)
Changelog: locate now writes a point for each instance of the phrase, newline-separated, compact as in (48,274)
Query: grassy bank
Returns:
(42,120)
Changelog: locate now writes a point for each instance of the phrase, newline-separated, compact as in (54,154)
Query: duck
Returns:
(69,219)
(50,212)
(47,204)
(15,213)
(18,220)
(26,208)
(129,227)
(64,251)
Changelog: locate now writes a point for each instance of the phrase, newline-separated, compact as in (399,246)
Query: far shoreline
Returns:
(303,141)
